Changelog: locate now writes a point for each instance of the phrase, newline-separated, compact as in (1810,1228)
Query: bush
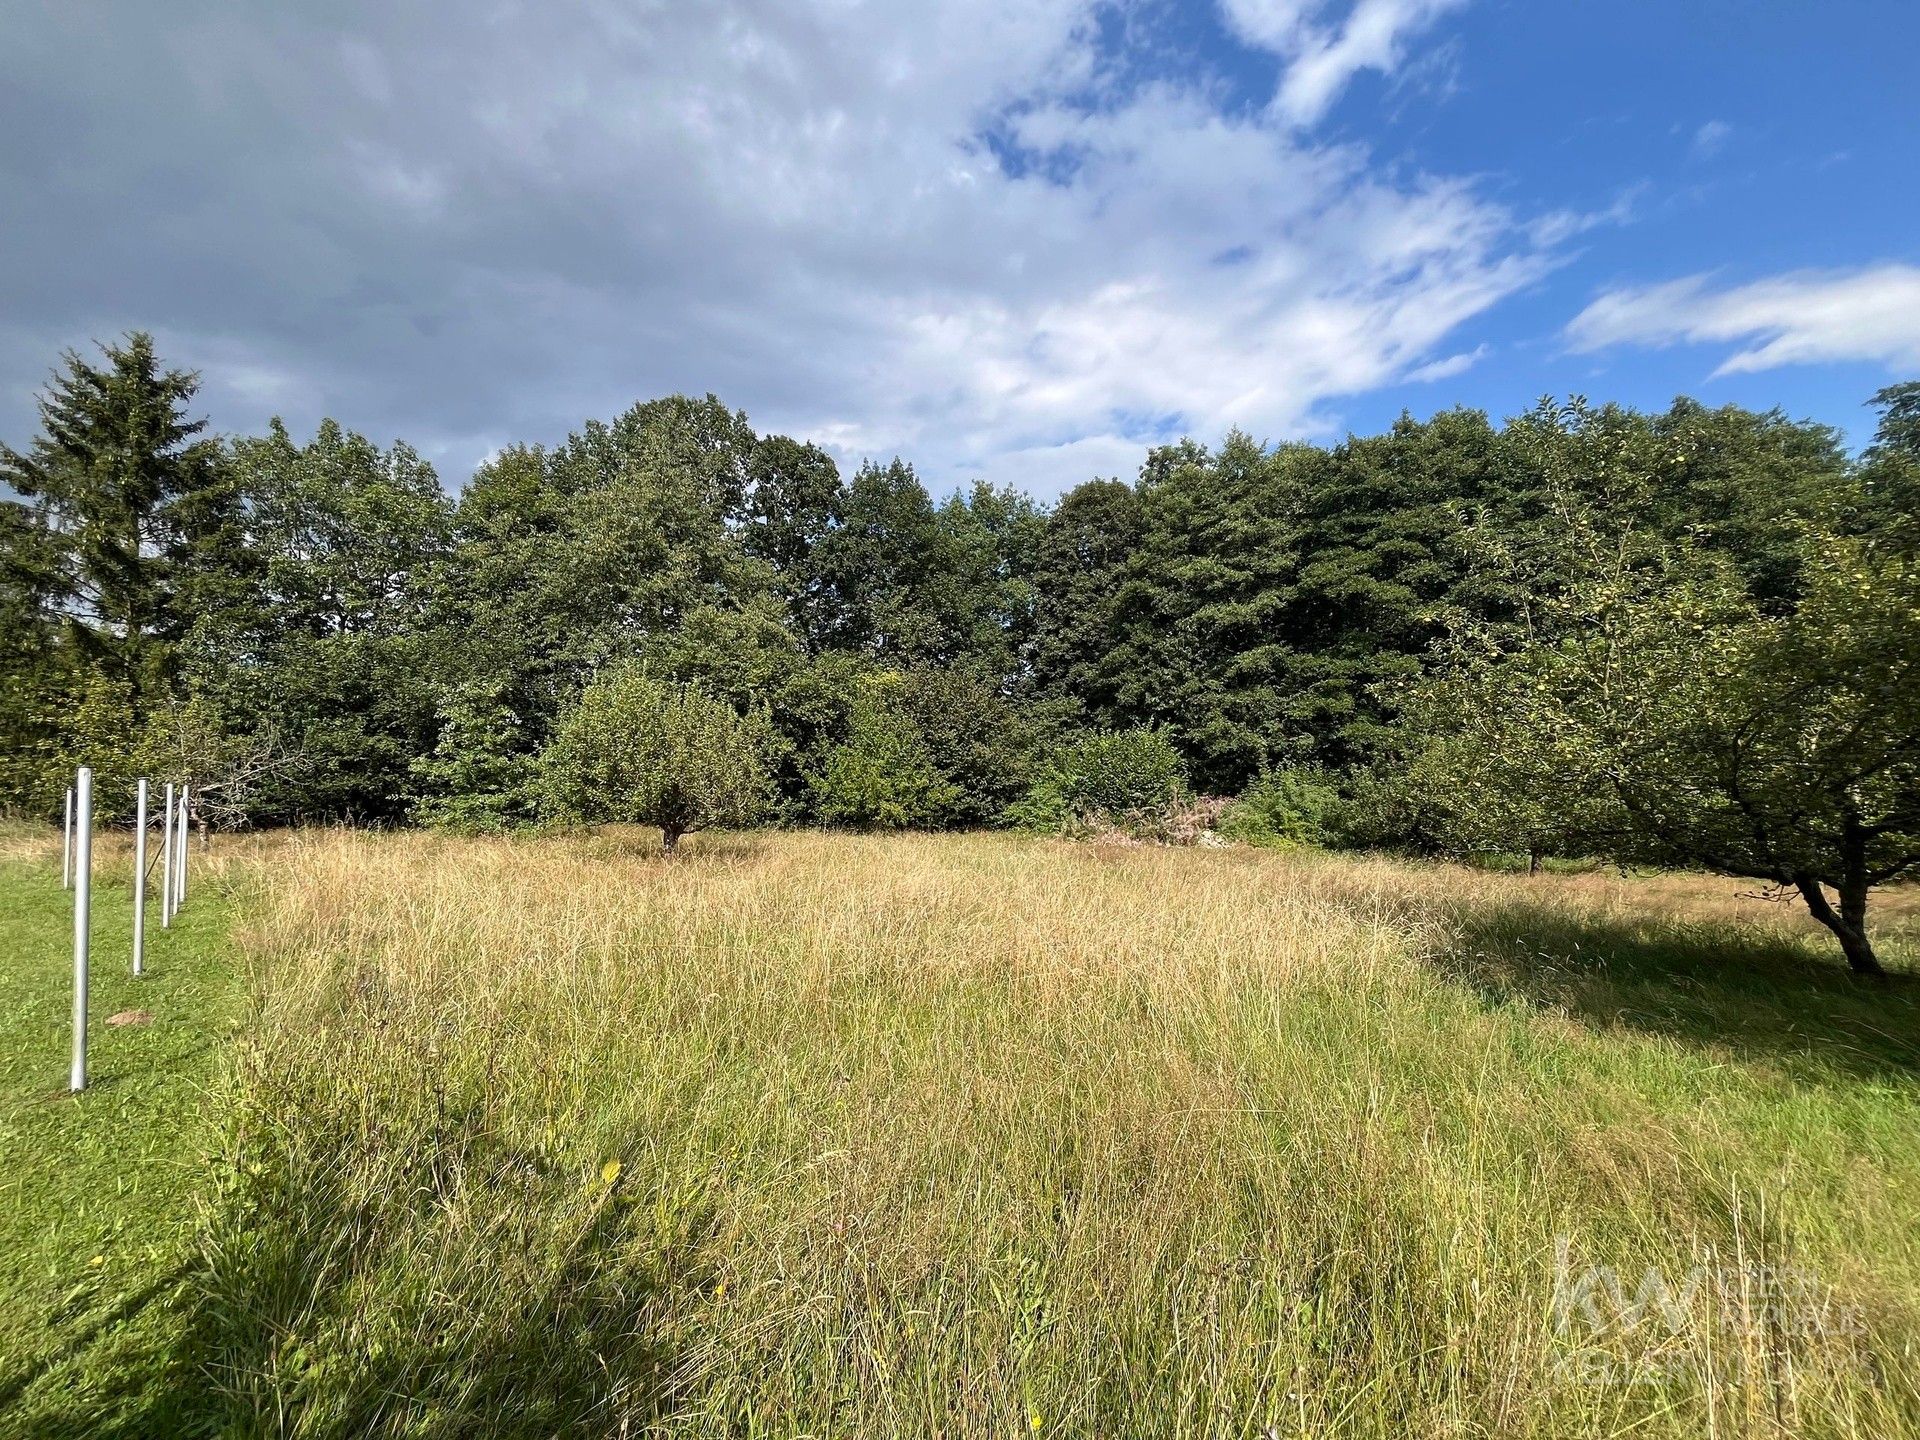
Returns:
(1133,780)
(978,739)
(646,752)
(881,777)
(478,780)
(1298,805)
(812,711)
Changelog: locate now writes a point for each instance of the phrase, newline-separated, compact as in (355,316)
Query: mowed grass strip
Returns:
(984,1135)
(98,1192)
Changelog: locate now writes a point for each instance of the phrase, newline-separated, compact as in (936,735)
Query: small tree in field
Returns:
(1480,779)
(647,752)
(1674,721)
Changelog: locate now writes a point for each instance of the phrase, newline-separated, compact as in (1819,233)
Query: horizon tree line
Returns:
(1687,637)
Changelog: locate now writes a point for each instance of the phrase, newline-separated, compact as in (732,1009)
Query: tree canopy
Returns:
(1401,633)
(651,752)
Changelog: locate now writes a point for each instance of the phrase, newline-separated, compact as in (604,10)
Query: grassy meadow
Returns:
(99,1193)
(960,1135)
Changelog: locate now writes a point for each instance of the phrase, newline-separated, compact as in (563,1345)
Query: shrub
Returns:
(1297,805)
(881,777)
(1130,779)
(96,736)
(647,752)
(812,713)
(979,740)
(478,779)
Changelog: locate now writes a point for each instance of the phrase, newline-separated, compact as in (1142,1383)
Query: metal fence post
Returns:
(181,884)
(82,926)
(166,863)
(139,876)
(66,849)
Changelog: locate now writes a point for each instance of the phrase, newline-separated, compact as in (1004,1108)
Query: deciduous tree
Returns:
(1675,720)
(648,752)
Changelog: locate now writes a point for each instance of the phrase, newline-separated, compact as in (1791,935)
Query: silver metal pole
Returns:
(173,845)
(139,876)
(184,846)
(166,863)
(180,851)
(66,850)
(82,926)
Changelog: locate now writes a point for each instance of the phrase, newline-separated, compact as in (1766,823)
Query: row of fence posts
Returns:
(76,874)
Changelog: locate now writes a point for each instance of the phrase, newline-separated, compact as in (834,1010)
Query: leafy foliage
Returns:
(882,775)
(1198,649)
(648,752)
(1678,721)
(1131,779)
(1294,805)
(982,744)
(188,741)
(1375,642)
(479,778)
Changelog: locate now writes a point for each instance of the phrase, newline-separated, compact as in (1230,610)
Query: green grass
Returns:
(964,1136)
(98,1192)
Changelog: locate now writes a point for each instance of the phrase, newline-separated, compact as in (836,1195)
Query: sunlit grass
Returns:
(974,1135)
(984,1135)
(98,1217)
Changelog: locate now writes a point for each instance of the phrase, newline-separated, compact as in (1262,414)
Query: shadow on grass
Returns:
(427,1278)
(193,1354)
(316,1307)
(127,1371)
(1763,996)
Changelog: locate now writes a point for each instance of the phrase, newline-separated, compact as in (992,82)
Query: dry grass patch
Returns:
(976,1135)
(983,1135)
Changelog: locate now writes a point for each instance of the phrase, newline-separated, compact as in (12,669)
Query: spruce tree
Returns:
(126,496)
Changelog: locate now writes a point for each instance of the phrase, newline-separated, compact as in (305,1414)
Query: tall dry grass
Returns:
(982,1135)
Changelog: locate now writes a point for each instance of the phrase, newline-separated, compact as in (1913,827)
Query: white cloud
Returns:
(1055,469)
(1449,366)
(1276,25)
(1322,58)
(1804,317)
(467,230)
(1556,227)
(1710,139)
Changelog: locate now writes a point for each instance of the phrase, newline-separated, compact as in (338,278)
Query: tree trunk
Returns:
(1848,923)
(670,838)
(1533,862)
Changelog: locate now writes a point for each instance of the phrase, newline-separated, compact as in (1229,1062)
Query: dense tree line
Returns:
(1560,634)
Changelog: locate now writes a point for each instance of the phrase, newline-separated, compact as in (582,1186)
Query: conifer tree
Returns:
(126,496)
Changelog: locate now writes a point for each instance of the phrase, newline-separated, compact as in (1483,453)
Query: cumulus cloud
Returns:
(949,230)
(1803,317)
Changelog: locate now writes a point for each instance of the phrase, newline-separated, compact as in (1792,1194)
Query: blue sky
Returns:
(1010,239)
(1749,138)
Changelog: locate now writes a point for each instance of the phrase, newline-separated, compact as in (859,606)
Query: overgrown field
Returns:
(984,1135)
